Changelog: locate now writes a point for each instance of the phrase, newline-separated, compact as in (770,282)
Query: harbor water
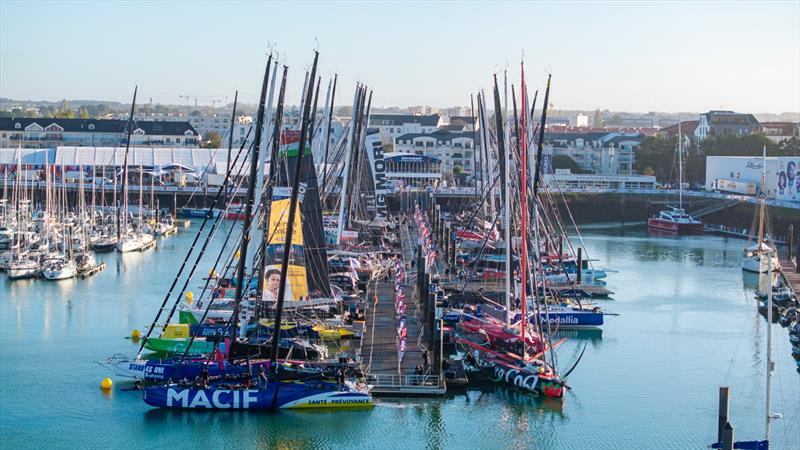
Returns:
(688,324)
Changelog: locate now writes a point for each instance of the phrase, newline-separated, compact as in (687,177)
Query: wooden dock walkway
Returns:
(379,342)
(379,345)
(790,273)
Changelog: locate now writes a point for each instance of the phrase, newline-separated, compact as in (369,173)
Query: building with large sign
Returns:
(782,180)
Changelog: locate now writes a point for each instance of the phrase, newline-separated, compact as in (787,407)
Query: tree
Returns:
(212,140)
(657,154)
(597,121)
(63,111)
(565,162)
(616,119)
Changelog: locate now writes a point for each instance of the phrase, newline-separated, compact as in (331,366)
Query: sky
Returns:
(621,56)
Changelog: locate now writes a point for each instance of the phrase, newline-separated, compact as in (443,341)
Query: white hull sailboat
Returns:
(755,259)
(759,256)
(59,269)
(135,242)
(25,268)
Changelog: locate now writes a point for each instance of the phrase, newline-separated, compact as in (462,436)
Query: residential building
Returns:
(564,179)
(601,153)
(391,126)
(582,120)
(687,128)
(725,123)
(412,170)
(51,132)
(206,123)
(780,131)
(454,150)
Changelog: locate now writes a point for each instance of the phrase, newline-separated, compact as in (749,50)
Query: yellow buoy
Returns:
(106,384)
(136,334)
(189,296)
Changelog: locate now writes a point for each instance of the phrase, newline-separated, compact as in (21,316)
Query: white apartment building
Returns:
(454,151)
(42,132)
(392,126)
(601,153)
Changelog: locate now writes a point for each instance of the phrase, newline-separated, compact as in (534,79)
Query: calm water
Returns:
(688,324)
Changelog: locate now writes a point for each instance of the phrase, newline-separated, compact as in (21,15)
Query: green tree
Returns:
(657,154)
(616,120)
(63,111)
(597,121)
(212,140)
(565,162)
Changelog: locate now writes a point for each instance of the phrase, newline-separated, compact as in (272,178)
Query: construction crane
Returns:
(208,98)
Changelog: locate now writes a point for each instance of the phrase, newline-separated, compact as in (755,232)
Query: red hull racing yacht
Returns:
(675,220)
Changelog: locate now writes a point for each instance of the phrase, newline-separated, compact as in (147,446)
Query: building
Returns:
(564,179)
(391,126)
(782,180)
(598,152)
(725,123)
(51,132)
(412,170)
(687,128)
(454,150)
(97,160)
(582,120)
(780,131)
(219,123)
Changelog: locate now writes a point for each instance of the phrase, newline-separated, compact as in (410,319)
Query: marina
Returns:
(302,264)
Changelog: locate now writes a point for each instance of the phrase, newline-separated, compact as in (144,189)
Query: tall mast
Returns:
(770,364)
(524,220)
(230,133)
(328,135)
(761,200)
(125,167)
(273,163)
(680,168)
(251,185)
(346,173)
(501,152)
(287,245)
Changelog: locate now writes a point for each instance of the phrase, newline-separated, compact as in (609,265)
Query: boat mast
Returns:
(125,167)
(251,185)
(273,169)
(680,169)
(287,244)
(501,135)
(761,201)
(524,220)
(346,174)
(328,136)
(770,364)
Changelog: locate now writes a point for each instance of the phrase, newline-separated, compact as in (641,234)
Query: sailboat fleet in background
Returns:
(57,238)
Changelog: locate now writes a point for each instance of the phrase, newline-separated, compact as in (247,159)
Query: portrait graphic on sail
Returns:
(307,275)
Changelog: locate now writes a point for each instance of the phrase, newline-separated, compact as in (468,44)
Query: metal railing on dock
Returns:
(393,384)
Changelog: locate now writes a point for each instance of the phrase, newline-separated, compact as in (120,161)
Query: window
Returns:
(17,125)
(178,140)
(91,127)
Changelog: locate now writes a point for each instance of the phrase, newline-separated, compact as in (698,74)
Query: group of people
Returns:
(400,307)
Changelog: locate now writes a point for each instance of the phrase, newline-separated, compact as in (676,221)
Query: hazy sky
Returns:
(632,56)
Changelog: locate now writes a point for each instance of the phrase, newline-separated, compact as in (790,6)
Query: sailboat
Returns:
(262,392)
(675,219)
(758,256)
(129,239)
